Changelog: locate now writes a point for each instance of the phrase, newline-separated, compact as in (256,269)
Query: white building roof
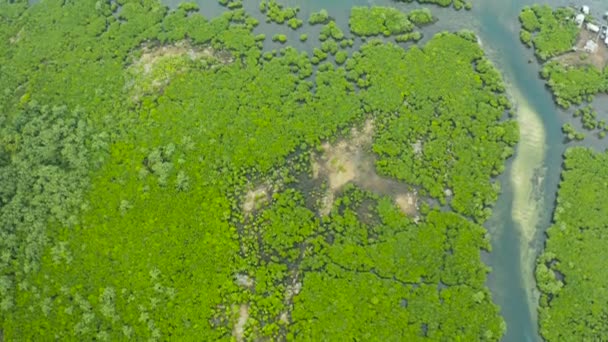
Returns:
(606,41)
(580,18)
(585,9)
(593,28)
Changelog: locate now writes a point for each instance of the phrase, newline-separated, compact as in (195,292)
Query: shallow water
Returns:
(524,209)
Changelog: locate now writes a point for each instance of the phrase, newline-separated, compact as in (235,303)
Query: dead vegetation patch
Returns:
(351,161)
(154,66)
(255,198)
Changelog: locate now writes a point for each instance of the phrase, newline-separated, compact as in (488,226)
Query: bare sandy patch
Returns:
(408,203)
(239,328)
(341,162)
(255,198)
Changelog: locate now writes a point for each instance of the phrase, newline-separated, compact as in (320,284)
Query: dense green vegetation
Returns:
(571,272)
(574,84)
(373,21)
(138,141)
(320,17)
(444,125)
(275,12)
(457,4)
(550,32)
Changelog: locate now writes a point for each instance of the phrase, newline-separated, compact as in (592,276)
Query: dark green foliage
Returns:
(551,32)
(44,164)
(571,272)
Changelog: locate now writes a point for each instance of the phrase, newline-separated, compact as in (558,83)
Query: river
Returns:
(529,184)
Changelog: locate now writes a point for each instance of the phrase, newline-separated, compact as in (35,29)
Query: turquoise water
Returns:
(524,209)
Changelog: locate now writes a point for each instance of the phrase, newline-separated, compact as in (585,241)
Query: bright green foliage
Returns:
(571,133)
(421,16)
(275,12)
(372,21)
(281,38)
(590,121)
(551,32)
(341,57)
(458,4)
(320,17)
(412,36)
(430,125)
(331,30)
(303,37)
(571,272)
(295,23)
(142,233)
(330,46)
(526,38)
(575,84)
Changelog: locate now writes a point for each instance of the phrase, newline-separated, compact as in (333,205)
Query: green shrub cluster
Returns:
(275,12)
(321,17)
(373,21)
(457,4)
(574,84)
(550,32)
(570,272)
(571,133)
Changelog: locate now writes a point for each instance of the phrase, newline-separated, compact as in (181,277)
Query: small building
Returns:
(585,9)
(580,19)
(606,41)
(593,28)
(590,46)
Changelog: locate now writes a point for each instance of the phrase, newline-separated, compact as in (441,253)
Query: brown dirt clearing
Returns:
(579,57)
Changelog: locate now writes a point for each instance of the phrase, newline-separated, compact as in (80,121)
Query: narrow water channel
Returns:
(524,209)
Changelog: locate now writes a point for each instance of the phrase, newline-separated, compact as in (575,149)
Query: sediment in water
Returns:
(527,176)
